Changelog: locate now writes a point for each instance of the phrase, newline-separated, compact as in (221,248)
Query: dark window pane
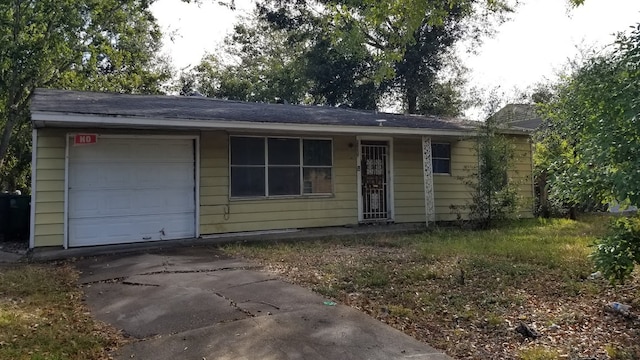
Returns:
(317,152)
(247,181)
(317,181)
(441,151)
(284,180)
(284,151)
(247,151)
(441,166)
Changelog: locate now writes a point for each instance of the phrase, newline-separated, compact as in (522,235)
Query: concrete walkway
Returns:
(194,303)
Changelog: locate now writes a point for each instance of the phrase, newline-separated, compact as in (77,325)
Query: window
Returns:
(441,158)
(280,166)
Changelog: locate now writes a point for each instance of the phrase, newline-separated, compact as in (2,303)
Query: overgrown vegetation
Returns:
(42,316)
(589,145)
(619,250)
(493,193)
(466,291)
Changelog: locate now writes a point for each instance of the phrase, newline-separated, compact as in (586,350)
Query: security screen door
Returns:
(374,160)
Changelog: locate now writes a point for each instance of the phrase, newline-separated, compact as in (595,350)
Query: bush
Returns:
(618,252)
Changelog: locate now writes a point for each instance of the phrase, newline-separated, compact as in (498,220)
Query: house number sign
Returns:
(85,139)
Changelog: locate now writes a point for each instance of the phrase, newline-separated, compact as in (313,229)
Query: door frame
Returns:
(390,176)
(196,173)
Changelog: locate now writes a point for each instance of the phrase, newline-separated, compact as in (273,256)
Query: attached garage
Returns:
(131,189)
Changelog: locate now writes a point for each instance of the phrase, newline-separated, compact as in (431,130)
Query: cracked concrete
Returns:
(195,303)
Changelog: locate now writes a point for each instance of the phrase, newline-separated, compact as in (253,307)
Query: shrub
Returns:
(618,252)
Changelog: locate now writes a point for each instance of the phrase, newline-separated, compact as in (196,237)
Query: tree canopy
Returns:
(358,54)
(101,45)
(592,131)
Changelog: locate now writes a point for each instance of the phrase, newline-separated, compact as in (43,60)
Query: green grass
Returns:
(42,316)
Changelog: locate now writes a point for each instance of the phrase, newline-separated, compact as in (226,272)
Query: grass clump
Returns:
(42,316)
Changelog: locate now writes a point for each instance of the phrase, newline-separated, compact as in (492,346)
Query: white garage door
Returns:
(125,190)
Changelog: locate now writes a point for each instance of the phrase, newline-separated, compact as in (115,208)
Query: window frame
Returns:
(448,173)
(301,166)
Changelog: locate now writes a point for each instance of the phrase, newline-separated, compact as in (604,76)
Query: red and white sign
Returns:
(85,139)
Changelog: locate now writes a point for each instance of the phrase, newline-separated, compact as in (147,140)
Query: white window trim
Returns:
(441,158)
(266,166)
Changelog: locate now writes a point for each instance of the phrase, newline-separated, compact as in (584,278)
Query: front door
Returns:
(374,163)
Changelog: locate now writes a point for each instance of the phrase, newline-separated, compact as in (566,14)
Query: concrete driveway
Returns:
(195,303)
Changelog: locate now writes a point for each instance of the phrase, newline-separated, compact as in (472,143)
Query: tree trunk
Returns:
(412,99)
(6,135)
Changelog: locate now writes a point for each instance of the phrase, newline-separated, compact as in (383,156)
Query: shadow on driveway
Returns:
(195,303)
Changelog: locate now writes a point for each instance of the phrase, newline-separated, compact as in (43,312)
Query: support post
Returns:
(427,165)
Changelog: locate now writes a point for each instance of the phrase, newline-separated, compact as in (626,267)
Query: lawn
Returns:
(42,316)
(465,292)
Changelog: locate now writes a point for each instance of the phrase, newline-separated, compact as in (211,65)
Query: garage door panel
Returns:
(177,175)
(129,202)
(118,230)
(128,190)
(136,176)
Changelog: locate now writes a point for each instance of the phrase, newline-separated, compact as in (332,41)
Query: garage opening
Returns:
(131,189)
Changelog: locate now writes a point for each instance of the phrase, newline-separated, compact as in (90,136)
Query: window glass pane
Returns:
(441,150)
(284,180)
(317,152)
(247,151)
(284,151)
(247,181)
(441,166)
(317,181)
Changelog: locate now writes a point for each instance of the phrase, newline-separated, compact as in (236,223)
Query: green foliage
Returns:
(590,145)
(617,252)
(95,45)
(357,54)
(591,136)
(493,194)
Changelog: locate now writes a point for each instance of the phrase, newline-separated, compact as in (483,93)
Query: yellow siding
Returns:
(450,189)
(521,174)
(408,180)
(219,214)
(49,207)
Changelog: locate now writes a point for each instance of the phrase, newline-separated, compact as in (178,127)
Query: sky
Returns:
(533,46)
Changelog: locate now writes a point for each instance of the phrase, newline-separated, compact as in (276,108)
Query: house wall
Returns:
(450,189)
(49,192)
(219,214)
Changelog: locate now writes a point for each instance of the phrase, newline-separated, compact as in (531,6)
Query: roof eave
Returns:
(42,119)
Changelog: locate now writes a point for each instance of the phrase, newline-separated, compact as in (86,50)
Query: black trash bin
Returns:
(15,213)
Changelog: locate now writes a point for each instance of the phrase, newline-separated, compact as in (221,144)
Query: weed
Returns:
(615,352)
(371,276)
(400,311)
(538,353)
(327,291)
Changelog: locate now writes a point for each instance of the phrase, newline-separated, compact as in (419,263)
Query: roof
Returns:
(73,108)
(522,116)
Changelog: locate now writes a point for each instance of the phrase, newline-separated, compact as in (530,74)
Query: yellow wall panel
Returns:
(220,214)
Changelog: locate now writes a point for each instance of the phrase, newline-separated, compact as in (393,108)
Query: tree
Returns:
(593,137)
(88,45)
(255,64)
(342,55)
(594,117)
